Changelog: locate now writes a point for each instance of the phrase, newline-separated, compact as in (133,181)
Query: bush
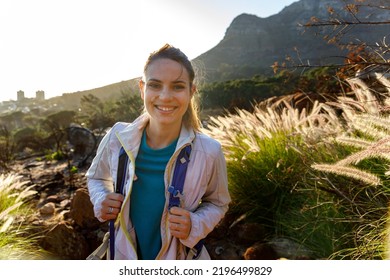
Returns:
(290,171)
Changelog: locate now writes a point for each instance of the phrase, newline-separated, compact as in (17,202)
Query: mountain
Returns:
(252,44)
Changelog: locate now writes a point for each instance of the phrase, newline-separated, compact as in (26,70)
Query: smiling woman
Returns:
(158,143)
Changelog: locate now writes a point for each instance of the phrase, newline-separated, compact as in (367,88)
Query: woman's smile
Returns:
(165,109)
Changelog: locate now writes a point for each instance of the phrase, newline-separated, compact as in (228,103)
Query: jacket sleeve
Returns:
(214,203)
(99,179)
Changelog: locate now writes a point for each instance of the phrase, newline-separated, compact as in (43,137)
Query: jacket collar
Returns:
(131,135)
(186,136)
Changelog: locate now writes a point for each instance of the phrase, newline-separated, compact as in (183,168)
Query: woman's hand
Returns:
(179,222)
(111,206)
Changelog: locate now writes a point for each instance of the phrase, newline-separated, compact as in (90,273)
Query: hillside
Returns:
(112,91)
(252,44)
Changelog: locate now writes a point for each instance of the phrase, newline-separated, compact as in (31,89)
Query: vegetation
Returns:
(308,155)
(7,147)
(15,240)
(244,93)
(341,28)
(291,171)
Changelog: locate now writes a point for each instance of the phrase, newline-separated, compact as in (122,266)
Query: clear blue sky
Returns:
(70,45)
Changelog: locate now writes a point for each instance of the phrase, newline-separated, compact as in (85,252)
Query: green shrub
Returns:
(58,155)
(73,169)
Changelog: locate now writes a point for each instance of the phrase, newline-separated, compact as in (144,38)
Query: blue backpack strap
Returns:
(176,189)
(179,176)
(120,181)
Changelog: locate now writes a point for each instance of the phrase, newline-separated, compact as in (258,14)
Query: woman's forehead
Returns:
(164,68)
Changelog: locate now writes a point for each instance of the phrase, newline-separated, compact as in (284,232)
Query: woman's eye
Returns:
(178,87)
(154,85)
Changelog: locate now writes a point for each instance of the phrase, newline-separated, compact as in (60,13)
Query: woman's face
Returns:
(166,92)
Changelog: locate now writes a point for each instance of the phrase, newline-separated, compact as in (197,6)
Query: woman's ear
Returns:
(193,90)
(141,85)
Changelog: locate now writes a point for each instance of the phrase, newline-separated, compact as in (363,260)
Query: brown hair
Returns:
(191,117)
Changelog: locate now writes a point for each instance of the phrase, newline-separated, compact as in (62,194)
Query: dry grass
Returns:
(15,241)
(354,131)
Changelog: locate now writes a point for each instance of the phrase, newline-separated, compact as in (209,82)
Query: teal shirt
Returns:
(147,198)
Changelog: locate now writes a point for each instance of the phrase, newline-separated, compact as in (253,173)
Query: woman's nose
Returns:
(165,93)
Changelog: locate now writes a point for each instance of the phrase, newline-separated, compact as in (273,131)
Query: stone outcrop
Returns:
(254,42)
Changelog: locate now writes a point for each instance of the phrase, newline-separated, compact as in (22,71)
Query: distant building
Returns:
(20,95)
(40,95)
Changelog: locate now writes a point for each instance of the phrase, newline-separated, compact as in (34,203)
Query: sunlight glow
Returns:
(68,46)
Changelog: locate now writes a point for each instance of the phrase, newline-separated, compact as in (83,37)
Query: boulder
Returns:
(65,243)
(81,210)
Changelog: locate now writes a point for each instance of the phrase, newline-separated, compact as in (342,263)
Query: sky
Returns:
(64,46)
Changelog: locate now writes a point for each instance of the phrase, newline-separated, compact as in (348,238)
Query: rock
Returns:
(260,251)
(287,248)
(48,209)
(52,198)
(81,210)
(65,243)
(65,203)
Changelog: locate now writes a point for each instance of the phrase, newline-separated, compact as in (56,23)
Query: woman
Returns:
(146,229)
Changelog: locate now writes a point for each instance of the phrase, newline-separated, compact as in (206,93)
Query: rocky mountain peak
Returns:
(245,24)
(252,44)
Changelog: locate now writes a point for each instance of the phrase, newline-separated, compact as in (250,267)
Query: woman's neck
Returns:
(159,137)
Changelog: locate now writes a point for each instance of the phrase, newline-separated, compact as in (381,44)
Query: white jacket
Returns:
(205,189)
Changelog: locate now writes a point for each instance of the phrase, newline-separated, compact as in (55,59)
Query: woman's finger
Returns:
(179,222)
(111,206)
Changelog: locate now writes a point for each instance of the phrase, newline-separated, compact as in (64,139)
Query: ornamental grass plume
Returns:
(369,134)
(366,197)
(249,126)
(316,176)
(269,152)
(15,240)
(350,172)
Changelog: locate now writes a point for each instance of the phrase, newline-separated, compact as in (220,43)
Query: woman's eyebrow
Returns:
(154,80)
(159,81)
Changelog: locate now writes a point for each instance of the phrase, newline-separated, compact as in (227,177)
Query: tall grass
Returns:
(15,240)
(293,171)
(368,197)
(269,154)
